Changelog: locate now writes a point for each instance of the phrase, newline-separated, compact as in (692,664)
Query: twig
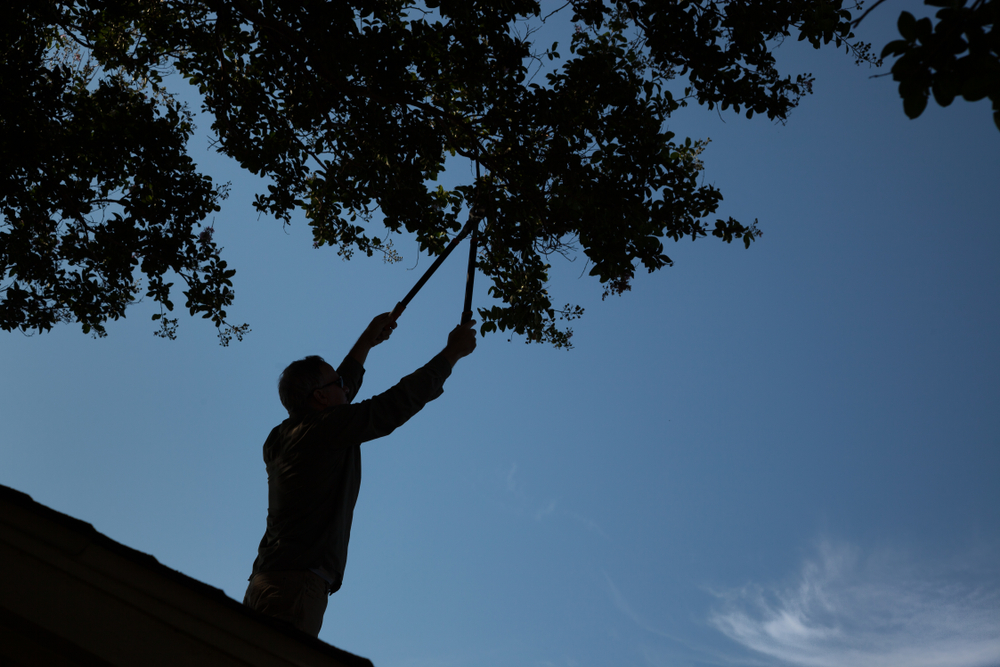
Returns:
(855,23)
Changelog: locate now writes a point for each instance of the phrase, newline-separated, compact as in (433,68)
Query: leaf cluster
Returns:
(957,56)
(726,48)
(97,192)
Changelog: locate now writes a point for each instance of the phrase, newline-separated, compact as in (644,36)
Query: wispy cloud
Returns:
(677,650)
(546,509)
(843,610)
(589,524)
(624,607)
(514,485)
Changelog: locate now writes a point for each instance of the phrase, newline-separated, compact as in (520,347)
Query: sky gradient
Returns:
(787,455)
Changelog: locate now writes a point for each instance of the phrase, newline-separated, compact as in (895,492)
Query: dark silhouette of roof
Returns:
(70,595)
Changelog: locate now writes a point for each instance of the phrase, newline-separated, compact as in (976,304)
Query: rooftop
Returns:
(73,596)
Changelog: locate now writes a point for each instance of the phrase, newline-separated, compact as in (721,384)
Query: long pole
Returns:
(470,274)
(470,226)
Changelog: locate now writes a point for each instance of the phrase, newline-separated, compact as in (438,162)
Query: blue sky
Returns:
(787,455)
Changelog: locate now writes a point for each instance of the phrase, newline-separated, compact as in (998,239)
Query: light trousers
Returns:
(299,598)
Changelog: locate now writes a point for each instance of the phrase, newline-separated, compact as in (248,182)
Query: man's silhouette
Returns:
(313,461)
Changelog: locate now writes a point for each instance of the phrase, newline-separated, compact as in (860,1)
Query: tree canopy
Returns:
(351,109)
(96,182)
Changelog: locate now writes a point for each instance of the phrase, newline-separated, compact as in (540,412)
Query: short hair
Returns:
(297,382)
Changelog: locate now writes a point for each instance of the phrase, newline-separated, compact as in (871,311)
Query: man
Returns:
(313,461)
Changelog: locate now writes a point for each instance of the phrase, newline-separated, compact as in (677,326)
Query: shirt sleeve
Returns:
(383,413)
(353,374)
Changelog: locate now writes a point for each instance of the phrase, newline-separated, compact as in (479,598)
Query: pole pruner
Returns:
(471,227)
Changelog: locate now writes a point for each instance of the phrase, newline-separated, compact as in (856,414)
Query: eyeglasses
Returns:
(339,382)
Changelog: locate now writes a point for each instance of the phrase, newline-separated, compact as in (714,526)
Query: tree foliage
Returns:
(957,56)
(96,183)
(352,109)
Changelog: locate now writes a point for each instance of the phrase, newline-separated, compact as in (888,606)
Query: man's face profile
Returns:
(329,392)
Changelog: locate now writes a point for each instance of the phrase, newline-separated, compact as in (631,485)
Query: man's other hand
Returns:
(461,342)
(379,330)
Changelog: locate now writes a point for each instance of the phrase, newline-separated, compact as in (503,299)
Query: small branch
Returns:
(555,11)
(856,22)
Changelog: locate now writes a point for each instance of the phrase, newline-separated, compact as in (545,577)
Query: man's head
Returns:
(310,384)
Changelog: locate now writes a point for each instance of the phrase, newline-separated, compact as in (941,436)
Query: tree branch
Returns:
(857,22)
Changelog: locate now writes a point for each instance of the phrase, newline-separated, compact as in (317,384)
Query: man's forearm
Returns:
(360,351)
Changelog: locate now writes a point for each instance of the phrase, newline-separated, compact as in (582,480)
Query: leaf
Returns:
(944,90)
(924,29)
(895,48)
(907,26)
(978,86)
(914,104)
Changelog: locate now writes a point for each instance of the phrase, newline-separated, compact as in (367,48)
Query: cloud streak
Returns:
(623,606)
(842,611)
(550,508)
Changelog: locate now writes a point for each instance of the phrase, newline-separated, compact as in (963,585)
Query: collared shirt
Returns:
(314,470)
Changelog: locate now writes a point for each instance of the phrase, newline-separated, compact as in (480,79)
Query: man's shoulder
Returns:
(281,435)
(312,424)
